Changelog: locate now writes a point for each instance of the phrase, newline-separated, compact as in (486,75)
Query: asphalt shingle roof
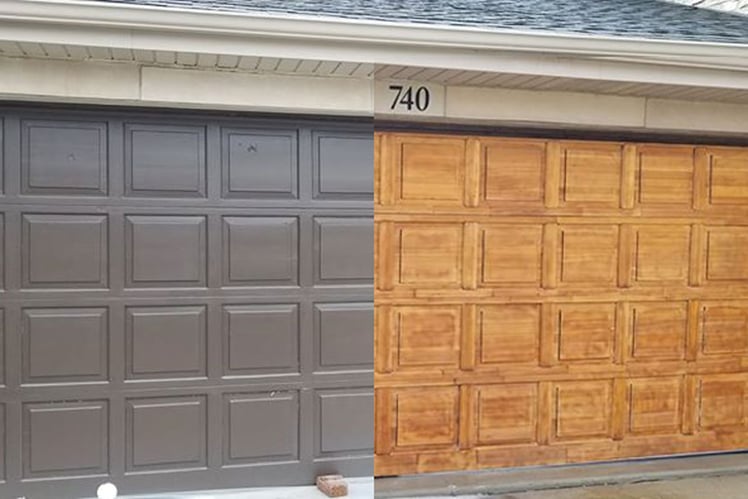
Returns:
(651,19)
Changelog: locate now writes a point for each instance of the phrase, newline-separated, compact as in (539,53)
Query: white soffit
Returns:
(255,64)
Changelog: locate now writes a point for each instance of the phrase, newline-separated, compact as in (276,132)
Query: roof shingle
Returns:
(649,19)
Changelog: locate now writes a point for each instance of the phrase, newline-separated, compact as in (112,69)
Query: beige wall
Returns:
(511,106)
(134,84)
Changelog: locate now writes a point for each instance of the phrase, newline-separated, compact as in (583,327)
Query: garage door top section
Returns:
(558,177)
(544,301)
(137,157)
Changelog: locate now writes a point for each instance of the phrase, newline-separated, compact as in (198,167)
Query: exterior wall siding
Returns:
(26,79)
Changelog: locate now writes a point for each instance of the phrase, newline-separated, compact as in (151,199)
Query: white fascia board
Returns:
(126,26)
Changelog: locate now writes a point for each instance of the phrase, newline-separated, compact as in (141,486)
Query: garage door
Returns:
(543,301)
(187,301)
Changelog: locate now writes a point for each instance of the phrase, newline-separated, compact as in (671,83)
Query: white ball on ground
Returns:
(106,491)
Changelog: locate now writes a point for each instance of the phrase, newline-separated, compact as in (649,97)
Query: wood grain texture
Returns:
(471,248)
(548,302)
(469,339)
(377,169)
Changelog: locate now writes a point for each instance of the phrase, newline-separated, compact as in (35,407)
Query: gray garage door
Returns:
(187,301)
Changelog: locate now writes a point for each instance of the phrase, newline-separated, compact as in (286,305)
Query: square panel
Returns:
(345,247)
(343,335)
(430,254)
(589,254)
(726,259)
(427,416)
(665,175)
(345,418)
(582,410)
(65,345)
(654,406)
(591,173)
(431,170)
(63,158)
(428,335)
(166,433)
(65,251)
(728,176)
(724,328)
(508,333)
(260,163)
(721,401)
(506,414)
(585,331)
(165,251)
(343,165)
(260,339)
(662,253)
(658,330)
(514,171)
(511,254)
(260,251)
(165,160)
(260,427)
(166,342)
(65,438)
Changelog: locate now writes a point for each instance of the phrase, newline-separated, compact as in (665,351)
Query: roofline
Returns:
(149,27)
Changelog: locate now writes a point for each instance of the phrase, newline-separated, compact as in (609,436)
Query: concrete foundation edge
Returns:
(513,480)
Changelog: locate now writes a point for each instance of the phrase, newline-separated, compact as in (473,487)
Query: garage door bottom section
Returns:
(187,301)
(552,301)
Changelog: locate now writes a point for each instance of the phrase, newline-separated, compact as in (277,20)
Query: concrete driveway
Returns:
(358,488)
(724,487)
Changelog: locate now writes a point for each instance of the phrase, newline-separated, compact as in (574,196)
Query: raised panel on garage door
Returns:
(165,160)
(544,301)
(65,344)
(64,251)
(187,301)
(346,420)
(166,342)
(64,158)
(259,163)
(260,251)
(65,438)
(343,165)
(165,251)
(261,427)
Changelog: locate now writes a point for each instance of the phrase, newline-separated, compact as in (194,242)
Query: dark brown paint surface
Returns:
(186,301)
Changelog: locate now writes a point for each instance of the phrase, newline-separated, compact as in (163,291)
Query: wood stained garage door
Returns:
(186,301)
(543,301)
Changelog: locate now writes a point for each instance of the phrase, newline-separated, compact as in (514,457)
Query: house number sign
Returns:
(409,98)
